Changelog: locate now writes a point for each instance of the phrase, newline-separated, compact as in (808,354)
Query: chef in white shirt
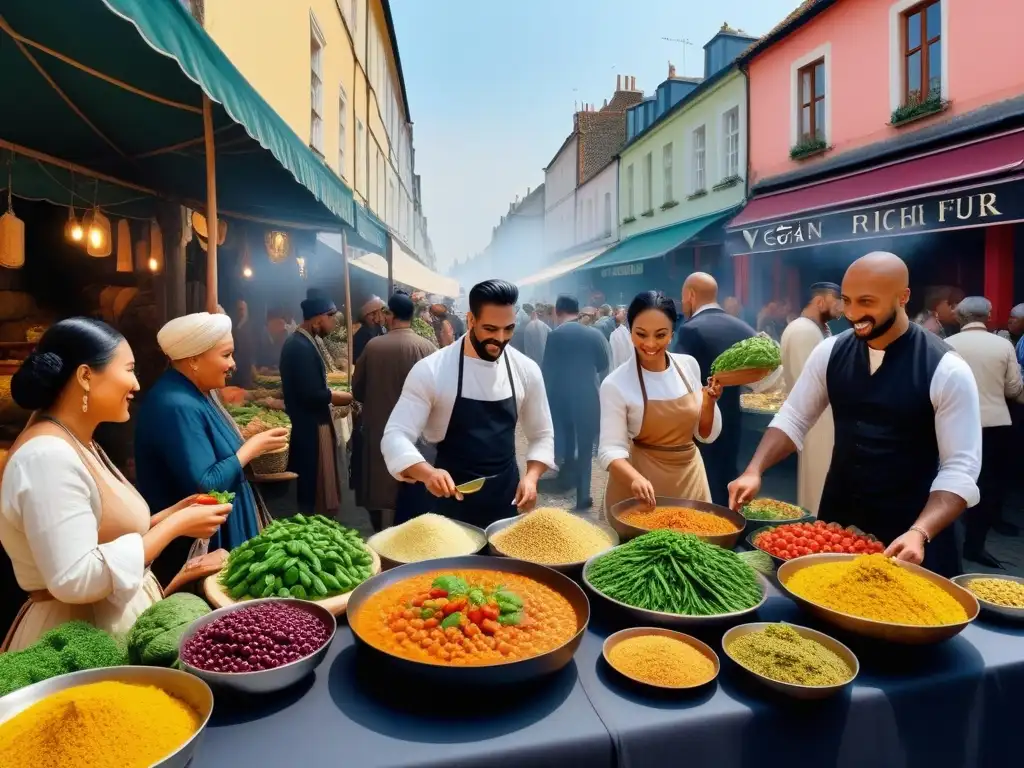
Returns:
(467,398)
(907,423)
(621,342)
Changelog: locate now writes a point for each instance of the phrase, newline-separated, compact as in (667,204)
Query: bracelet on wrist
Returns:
(923,532)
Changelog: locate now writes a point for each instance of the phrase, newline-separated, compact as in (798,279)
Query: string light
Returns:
(247,272)
(153,265)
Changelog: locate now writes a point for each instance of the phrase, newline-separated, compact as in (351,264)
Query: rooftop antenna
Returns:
(685,42)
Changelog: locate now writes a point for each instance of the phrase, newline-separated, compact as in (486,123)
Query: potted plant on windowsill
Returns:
(669,204)
(697,194)
(808,146)
(728,181)
(916,108)
(629,220)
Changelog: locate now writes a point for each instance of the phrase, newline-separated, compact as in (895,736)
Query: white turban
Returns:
(193,334)
(372,305)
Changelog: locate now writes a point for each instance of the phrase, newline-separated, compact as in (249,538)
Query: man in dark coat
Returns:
(308,401)
(708,332)
(575,360)
(371,318)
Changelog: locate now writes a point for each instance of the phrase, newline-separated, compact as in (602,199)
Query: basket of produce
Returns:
(272,463)
(792,540)
(337,378)
(997,595)
(426,537)
(747,361)
(267,380)
(795,661)
(762,402)
(308,558)
(761,512)
(661,658)
(878,597)
(711,522)
(675,579)
(552,537)
(473,621)
(106,717)
(258,647)
(253,419)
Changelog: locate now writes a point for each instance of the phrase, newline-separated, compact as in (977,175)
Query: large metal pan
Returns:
(508,673)
(724,540)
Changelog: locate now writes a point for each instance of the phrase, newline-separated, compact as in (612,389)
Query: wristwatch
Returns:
(923,532)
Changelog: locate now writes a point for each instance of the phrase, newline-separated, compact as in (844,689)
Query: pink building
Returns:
(895,111)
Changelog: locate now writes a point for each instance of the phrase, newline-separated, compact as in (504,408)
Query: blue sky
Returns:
(492,84)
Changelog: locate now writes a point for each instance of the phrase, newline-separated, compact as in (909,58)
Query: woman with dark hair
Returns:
(79,536)
(652,411)
(185,441)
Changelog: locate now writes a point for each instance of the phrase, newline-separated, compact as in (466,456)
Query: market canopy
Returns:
(116,87)
(657,242)
(405,267)
(562,267)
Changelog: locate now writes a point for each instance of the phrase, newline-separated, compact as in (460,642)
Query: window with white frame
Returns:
(360,168)
(316,87)
(648,182)
(630,210)
(699,174)
(666,171)
(607,214)
(731,143)
(342,126)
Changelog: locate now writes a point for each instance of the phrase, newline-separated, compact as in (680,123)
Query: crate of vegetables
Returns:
(786,542)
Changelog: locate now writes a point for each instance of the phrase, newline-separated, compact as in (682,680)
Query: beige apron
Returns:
(663,450)
(122,511)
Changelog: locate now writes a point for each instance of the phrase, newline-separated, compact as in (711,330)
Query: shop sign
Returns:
(624,270)
(978,206)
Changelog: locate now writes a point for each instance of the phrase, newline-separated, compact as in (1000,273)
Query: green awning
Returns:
(657,242)
(116,86)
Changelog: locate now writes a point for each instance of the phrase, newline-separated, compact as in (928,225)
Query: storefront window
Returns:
(811,84)
(922,52)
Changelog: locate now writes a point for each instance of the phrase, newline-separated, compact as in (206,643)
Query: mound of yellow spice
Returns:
(101,725)
(661,660)
(551,536)
(874,587)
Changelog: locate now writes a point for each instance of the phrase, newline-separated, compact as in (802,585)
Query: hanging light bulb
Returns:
(302,266)
(97,237)
(154,265)
(247,272)
(74,232)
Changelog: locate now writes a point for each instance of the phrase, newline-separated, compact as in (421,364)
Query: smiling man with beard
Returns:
(467,398)
(907,423)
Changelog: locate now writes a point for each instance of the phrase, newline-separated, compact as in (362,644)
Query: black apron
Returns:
(886,452)
(480,442)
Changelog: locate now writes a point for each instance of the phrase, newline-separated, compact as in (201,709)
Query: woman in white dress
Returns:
(652,410)
(79,536)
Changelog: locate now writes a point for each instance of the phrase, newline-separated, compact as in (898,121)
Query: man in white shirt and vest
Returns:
(468,398)
(907,423)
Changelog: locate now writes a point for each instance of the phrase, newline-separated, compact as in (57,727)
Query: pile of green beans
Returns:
(676,573)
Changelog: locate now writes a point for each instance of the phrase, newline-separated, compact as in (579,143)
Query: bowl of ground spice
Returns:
(135,717)
(710,522)
(796,661)
(661,658)
(998,595)
(552,537)
(879,597)
(426,537)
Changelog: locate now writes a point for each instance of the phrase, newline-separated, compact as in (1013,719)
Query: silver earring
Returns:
(85,403)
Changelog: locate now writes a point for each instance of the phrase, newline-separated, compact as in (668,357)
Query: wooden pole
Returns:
(390,255)
(348,309)
(212,225)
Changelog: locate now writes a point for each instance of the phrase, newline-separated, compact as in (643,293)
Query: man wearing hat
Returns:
(798,341)
(371,317)
(308,401)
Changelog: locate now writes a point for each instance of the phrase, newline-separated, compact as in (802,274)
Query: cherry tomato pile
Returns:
(798,539)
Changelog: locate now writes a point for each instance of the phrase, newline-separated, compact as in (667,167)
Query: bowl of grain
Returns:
(661,659)
(426,537)
(998,595)
(712,523)
(552,537)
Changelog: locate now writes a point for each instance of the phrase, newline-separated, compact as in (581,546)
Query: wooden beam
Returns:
(212,224)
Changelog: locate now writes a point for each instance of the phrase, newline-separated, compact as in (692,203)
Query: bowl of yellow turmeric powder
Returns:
(879,597)
(999,595)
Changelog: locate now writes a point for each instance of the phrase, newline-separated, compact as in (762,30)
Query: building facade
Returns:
(355,112)
(879,126)
(560,181)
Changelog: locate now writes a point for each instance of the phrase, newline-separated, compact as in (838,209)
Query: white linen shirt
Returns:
(993,360)
(622,346)
(622,404)
(428,396)
(954,397)
(49,527)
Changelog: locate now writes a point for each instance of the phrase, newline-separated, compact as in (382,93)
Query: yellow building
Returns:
(355,112)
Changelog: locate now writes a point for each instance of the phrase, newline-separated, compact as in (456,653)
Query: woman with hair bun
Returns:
(79,536)
(652,411)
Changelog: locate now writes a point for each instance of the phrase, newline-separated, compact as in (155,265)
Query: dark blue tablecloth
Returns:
(957,704)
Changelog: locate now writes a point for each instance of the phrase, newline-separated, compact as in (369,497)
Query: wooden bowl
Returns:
(905,634)
(742,377)
(628,531)
(626,634)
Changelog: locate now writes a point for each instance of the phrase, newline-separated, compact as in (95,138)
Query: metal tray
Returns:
(724,540)
(1006,612)
(475,677)
(906,634)
(386,563)
(572,569)
(189,689)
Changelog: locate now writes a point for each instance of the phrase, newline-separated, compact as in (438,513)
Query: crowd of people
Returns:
(901,426)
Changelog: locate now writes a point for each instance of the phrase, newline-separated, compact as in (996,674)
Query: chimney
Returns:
(618,82)
(632,83)
(671,70)
(605,104)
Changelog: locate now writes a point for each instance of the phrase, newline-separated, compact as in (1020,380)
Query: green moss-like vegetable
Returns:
(71,647)
(153,640)
(756,352)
